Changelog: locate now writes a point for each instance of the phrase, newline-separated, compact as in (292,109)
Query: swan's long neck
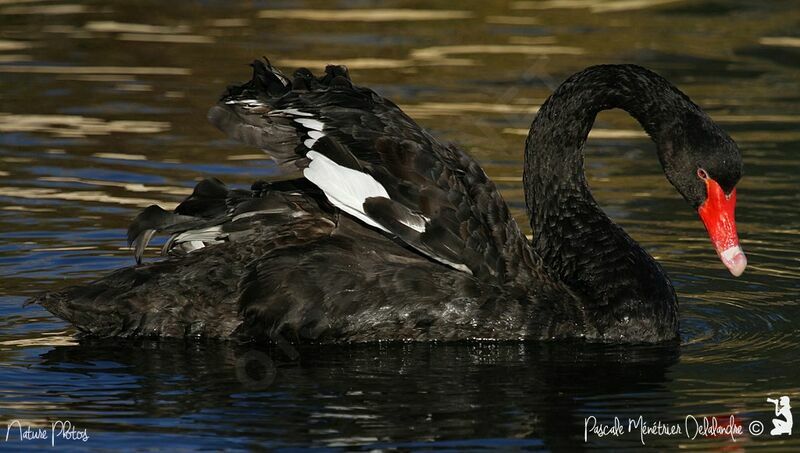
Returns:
(577,241)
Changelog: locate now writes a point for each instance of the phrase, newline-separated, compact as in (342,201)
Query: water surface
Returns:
(102,112)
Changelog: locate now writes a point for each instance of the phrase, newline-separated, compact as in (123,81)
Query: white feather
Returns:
(210,234)
(246,102)
(415,223)
(313,136)
(194,245)
(311,123)
(346,188)
(293,112)
(456,266)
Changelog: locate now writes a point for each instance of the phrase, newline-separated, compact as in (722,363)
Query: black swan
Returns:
(374,230)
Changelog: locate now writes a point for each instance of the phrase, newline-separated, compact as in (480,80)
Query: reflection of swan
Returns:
(530,393)
(782,409)
(376,231)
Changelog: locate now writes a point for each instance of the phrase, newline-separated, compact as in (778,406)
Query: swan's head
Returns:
(705,165)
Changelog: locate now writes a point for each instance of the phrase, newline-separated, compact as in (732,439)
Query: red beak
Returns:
(717,215)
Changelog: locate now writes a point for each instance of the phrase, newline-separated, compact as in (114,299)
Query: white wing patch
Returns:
(310,123)
(346,188)
(313,136)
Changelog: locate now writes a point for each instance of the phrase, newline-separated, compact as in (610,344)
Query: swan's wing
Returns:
(376,164)
(215,214)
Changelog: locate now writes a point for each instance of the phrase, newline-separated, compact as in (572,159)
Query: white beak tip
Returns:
(734,259)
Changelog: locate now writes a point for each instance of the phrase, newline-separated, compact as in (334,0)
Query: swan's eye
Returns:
(702,174)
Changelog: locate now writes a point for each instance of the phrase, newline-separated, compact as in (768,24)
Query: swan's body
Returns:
(376,231)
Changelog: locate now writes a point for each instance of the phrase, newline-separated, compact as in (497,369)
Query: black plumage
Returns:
(412,241)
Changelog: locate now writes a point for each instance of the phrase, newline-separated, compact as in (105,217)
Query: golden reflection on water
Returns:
(175,34)
(782,41)
(599,133)
(55,339)
(226,23)
(120,156)
(175,39)
(437,56)
(434,53)
(26,208)
(430,109)
(86,195)
(365,15)
(351,63)
(19,2)
(757,118)
(44,69)
(7,45)
(109,26)
(593,5)
(261,156)
(512,20)
(76,126)
(44,10)
(13,58)
(130,187)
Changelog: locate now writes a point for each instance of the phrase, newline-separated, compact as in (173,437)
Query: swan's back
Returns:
(372,231)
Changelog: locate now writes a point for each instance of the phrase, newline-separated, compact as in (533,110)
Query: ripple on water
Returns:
(746,330)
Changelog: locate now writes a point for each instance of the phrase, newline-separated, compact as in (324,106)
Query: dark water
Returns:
(102,112)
